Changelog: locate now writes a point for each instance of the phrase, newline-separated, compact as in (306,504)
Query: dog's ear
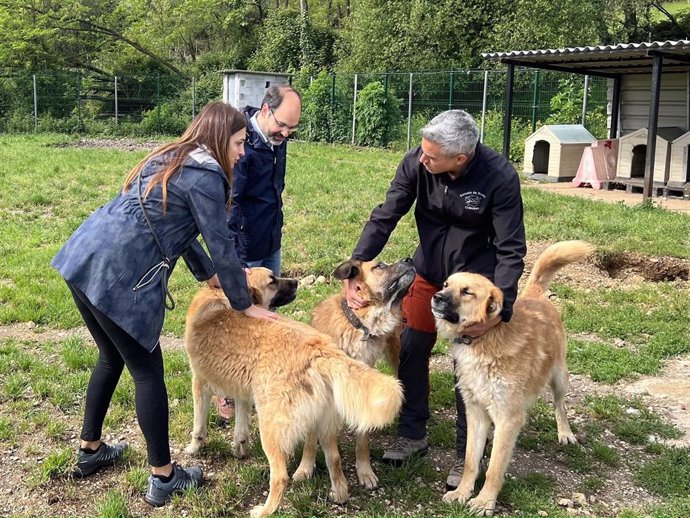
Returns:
(494,304)
(257,296)
(348,270)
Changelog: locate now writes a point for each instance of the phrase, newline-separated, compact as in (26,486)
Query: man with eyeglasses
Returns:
(256,214)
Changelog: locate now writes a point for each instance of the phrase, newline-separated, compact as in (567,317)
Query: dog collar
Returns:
(354,320)
(463,340)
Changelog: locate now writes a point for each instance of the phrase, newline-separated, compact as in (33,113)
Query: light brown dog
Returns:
(298,380)
(367,334)
(503,371)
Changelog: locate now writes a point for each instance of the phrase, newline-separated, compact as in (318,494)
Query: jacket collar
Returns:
(254,137)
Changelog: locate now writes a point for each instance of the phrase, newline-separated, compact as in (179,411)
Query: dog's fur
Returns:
(503,371)
(383,287)
(298,380)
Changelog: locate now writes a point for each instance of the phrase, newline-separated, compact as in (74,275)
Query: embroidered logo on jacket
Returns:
(473,199)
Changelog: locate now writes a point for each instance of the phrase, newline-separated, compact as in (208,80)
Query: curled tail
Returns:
(550,261)
(364,397)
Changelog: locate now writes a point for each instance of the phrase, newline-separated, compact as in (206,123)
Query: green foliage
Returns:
(113,505)
(493,134)
(378,112)
(668,474)
(324,118)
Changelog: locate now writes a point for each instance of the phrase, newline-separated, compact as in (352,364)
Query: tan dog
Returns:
(367,334)
(298,380)
(503,371)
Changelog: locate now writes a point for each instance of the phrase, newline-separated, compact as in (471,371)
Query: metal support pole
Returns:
(354,111)
(79,101)
(409,115)
(116,107)
(585,97)
(158,100)
(35,105)
(484,99)
(193,97)
(535,100)
(330,126)
(385,100)
(615,107)
(507,116)
(652,125)
(450,90)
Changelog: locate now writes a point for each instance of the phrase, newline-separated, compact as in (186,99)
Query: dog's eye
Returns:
(445,284)
(378,266)
(272,280)
(465,291)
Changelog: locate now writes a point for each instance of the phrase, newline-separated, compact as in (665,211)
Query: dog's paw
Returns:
(567,438)
(240,448)
(482,506)
(257,511)
(193,447)
(367,477)
(302,473)
(339,494)
(456,496)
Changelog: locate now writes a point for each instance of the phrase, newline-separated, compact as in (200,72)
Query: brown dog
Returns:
(367,334)
(503,371)
(298,380)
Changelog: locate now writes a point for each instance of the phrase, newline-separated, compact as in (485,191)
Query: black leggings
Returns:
(116,349)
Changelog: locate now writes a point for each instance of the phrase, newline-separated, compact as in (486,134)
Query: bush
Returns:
(378,116)
(325,117)
(493,134)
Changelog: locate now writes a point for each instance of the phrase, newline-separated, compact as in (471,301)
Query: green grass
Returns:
(48,191)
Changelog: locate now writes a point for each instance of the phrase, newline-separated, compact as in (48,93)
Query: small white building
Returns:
(679,172)
(632,154)
(553,152)
(247,88)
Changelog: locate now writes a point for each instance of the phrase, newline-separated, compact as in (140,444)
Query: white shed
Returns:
(679,172)
(632,153)
(553,152)
(247,88)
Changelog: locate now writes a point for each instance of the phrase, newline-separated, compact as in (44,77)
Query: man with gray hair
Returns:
(469,219)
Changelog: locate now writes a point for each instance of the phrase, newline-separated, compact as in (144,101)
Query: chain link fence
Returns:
(90,103)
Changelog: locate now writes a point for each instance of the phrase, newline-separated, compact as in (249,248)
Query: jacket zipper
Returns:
(445,238)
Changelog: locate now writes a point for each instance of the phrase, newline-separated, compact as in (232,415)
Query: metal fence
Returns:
(89,103)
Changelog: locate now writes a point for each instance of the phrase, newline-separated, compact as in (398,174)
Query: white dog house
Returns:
(553,152)
(679,171)
(632,153)
(247,88)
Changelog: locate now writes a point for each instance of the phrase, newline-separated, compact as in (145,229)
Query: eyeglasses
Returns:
(281,124)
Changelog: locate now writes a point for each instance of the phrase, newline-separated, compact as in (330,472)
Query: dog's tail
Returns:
(550,261)
(364,397)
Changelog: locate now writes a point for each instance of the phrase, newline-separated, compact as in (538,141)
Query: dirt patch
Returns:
(124,144)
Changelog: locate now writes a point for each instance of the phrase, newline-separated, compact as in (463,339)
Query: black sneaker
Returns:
(159,492)
(89,463)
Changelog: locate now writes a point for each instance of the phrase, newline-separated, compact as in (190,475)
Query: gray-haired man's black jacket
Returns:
(471,224)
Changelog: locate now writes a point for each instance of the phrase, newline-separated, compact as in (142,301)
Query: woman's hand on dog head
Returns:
(352,288)
(255,311)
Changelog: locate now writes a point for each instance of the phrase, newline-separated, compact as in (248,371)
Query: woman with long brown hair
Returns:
(117,265)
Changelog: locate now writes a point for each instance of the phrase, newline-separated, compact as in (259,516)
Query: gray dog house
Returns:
(553,152)
(247,88)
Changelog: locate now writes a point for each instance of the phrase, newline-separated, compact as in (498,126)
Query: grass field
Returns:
(48,189)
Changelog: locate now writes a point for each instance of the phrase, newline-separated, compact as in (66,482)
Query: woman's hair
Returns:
(212,128)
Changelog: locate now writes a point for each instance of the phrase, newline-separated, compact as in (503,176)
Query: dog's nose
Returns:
(407,260)
(438,297)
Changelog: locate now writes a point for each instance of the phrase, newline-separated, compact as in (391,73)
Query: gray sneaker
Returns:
(455,475)
(89,463)
(159,492)
(404,448)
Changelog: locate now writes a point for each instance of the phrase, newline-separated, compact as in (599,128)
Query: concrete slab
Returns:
(613,196)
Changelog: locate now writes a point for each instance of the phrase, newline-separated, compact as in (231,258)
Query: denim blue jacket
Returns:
(113,258)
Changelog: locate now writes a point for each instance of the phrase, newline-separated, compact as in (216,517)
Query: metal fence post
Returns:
(116,121)
(535,100)
(35,105)
(354,111)
(409,114)
(450,91)
(79,100)
(158,99)
(385,102)
(330,126)
(484,100)
(585,96)
(193,97)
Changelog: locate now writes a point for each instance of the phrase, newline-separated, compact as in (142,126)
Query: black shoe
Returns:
(89,463)
(159,492)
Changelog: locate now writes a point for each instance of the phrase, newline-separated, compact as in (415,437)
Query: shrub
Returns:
(378,115)
(325,117)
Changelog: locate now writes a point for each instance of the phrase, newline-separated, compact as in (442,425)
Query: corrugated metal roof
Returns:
(606,60)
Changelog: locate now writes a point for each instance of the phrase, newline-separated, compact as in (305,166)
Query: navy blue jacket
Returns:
(473,223)
(256,214)
(113,258)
